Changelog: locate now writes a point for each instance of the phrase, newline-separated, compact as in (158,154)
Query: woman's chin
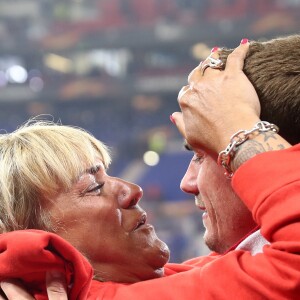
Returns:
(163,256)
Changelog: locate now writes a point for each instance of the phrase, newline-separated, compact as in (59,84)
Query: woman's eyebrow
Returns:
(94,169)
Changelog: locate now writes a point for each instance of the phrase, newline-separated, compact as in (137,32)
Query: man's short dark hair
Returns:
(273,68)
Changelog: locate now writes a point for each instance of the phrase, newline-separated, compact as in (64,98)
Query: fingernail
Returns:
(244,41)
(214,49)
(172,119)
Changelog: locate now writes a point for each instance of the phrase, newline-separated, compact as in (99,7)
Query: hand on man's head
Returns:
(217,103)
(55,283)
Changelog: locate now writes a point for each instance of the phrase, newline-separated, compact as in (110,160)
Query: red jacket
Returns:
(28,254)
(269,184)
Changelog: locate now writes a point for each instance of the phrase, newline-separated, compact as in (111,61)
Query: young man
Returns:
(226,218)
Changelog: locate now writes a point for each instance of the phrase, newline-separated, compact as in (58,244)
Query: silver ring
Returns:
(204,67)
(214,63)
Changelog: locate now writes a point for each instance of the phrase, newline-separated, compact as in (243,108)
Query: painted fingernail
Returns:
(172,119)
(244,41)
(214,49)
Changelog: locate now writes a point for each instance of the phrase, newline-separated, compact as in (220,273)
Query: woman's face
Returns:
(101,217)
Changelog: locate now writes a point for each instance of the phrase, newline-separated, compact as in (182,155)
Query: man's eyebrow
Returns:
(187,146)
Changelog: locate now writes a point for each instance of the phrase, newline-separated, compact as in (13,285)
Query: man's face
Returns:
(101,217)
(225,218)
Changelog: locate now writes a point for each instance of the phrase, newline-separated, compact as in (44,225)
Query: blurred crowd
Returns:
(114,67)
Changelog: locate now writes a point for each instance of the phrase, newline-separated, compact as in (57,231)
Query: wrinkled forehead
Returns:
(91,163)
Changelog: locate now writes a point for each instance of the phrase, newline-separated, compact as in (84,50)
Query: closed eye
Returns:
(198,158)
(96,188)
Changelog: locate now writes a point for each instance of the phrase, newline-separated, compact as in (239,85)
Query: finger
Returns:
(178,120)
(14,290)
(235,60)
(56,285)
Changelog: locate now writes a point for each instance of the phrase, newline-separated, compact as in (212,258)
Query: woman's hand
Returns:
(55,282)
(216,104)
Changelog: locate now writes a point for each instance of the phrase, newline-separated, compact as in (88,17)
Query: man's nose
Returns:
(189,182)
(130,194)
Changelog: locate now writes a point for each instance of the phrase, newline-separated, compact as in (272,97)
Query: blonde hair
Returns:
(38,160)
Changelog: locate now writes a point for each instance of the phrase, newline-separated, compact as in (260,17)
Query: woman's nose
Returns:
(130,194)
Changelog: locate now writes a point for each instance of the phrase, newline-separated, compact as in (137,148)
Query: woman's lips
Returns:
(141,221)
(201,207)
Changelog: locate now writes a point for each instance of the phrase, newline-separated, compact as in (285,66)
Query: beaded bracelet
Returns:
(225,156)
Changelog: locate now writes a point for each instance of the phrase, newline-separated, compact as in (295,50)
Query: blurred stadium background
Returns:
(114,67)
